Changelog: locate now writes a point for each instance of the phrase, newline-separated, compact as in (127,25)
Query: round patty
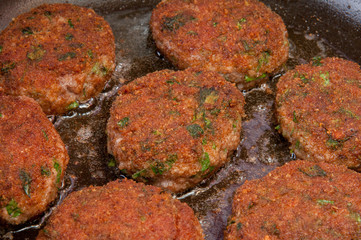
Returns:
(244,39)
(58,54)
(33,159)
(319,111)
(122,210)
(300,200)
(173,129)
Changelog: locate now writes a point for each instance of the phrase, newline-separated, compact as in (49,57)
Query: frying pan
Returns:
(316,28)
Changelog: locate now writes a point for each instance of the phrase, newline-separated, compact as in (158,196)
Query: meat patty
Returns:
(173,129)
(122,210)
(242,39)
(300,200)
(319,111)
(58,54)
(33,159)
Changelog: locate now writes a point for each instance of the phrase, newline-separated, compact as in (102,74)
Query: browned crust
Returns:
(300,200)
(162,110)
(56,54)
(319,111)
(33,159)
(122,210)
(235,38)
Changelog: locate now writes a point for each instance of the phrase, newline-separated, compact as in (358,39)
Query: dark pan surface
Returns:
(316,28)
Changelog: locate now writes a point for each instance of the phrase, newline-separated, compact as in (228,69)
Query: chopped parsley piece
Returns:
(37,53)
(325,202)
(250,79)
(208,95)
(69,36)
(316,61)
(111,162)
(211,98)
(58,170)
(90,54)
(1,48)
(240,23)
(263,60)
(326,78)
(7,67)
(123,122)
(172,81)
(26,181)
(205,162)
(332,143)
(13,209)
(27,31)
(99,70)
(138,174)
(72,105)
(45,135)
(70,23)
(239,226)
(295,120)
(195,130)
(314,171)
(277,127)
(172,24)
(215,24)
(45,171)
(67,56)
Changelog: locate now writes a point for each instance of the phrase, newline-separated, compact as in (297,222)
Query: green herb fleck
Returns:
(240,23)
(211,98)
(239,226)
(67,56)
(27,31)
(245,45)
(111,162)
(195,130)
(72,105)
(325,202)
(332,143)
(172,24)
(123,122)
(295,120)
(90,54)
(1,48)
(215,111)
(99,70)
(326,78)
(7,67)
(316,61)
(297,145)
(45,171)
(215,24)
(263,60)
(36,54)
(13,209)
(26,181)
(204,141)
(192,33)
(70,23)
(277,127)
(214,146)
(250,79)
(58,170)
(172,81)
(205,162)
(314,171)
(69,36)
(138,174)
